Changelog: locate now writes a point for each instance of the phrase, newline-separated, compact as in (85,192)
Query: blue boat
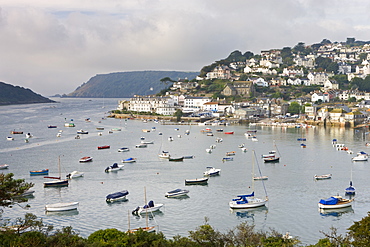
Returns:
(39,172)
(350,190)
(121,195)
(301,139)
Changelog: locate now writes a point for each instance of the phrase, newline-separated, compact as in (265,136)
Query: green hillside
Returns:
(10,94)
(127,84)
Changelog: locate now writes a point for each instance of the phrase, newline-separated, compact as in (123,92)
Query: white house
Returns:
(195,103)
(260,82)
(317,78)
(324,97)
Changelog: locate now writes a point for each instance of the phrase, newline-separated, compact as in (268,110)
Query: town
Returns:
(320,84)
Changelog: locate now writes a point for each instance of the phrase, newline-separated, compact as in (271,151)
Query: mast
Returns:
(146,209)
(253,157)
(60,172)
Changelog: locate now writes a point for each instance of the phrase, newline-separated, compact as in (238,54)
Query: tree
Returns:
(11,190)
(294,108)
(166,80)
(178,114)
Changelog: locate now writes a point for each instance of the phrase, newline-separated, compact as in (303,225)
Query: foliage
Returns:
(294,108)
(11,189)
(287,56)
(301,49)
(342,80)
(326,64)
(178,114)
(360,232)
(360,84)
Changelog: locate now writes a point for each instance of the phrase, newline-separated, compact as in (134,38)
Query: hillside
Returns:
(10,95)
(127,84)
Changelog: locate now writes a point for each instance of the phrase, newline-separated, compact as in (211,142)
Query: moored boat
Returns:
(120,195)
(129,160)
(229,132)
(261,178)
(16,132)
(150,207)
(52,126)
(176,193)
(104,147)
(164,155)
(188,156)
(141,145)
(199,181)
(75,174)
(58,182)
(86,159)
(361,156)
(61,206)
(230,153)
(39,172)
(4,166)
(81,131)
(211,171)
(321,177)
(335,202)
(10,138)
(176,158)
(227,159)
(114,167)
(123,149)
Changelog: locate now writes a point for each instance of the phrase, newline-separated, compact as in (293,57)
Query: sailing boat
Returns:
(58,182)
(271,157)
(249,201)
(350,190)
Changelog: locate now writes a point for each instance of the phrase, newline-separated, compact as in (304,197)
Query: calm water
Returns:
(293,194)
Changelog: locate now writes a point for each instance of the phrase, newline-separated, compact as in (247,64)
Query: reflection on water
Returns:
(62,213)
(335,212)
(117,202)
(250,212)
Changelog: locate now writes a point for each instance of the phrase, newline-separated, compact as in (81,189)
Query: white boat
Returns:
(321,177)
(176,193)
(81,131)
(211,171)
(86,159)
(5,166)
(61,206)
(254,139)
(28,135)
(123,149)
(59,134)
(248,200)
(114,167)
(121,195)
(149,208)
(141,145)
(209,150)
(261,178)
(164,155)
(147,142)
(9,138)
(75,174)
(335,202)
(170,139)
(361,156)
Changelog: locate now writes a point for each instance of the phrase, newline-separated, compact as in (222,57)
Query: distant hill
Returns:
(10,95)
(127,84)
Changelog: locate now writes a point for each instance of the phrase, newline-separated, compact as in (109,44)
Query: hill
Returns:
(127,84)
(10,95)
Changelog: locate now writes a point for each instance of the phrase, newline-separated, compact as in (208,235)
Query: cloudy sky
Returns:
(55,46)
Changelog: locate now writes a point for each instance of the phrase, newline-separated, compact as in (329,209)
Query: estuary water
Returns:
(293,193)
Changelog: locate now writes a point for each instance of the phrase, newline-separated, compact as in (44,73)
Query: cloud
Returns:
(54,46)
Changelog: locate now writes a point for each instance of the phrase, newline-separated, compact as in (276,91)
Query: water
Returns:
(293,194)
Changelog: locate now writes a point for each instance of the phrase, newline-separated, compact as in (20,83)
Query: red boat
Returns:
(229,133)
(16,132)
(86,159)
(104,147)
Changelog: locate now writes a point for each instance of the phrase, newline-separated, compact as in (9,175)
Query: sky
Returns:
(52,47)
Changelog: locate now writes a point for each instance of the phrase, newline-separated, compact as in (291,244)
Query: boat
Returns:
(219,130)
(75,174)
(69,125)
(116,196)
(164,155)
(176,158)
(147,142)
(58,182)
(147,208)
(176,193)
(196,181)
(59,134)
(9,138)
(218,139)
(209,150)
(249,200)
(170,139)
(335,202)
(301,139)
(52,126)
(145,130)
(104,147)
(241,145)
(227,159)
(361,156)
(61,206)
(271,157)
(350,190)
(321,177)
(229,133)
(28,193)
(28,135)
(5,166)
(100,128)
(81,131)
(114,167)
(230,153)
(251,131)
(39,172)
(261,178)
(86,159)
(141,145)
(123,149)
(303,145)
(129,160)
(77,137)
(254,139)
(16,132)
(116,129)
(211,171)
(188,156)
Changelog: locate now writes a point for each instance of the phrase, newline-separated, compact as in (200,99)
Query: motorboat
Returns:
(227,159)
(121,195)
(28,135)
(209,150)
(176,193)
(149,208)
(147,142)
(141,145)
(86,159)
(39,172)
(104,147)
(59,134)
(116,129)
(196,181)
(361,156)
(61,206)
(123,149)
(321,177)
(75,174)
(335,202)
(28,193)
(81,131)
(261,178)
(211,171)
(170,139)
(188,156)
(129,160)
(114,167)
(52,126)
(230,153)
(5,166)
(10,138)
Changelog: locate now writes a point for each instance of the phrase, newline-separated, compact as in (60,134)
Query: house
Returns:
(219,72)
(317,78)
(324,97)
(195,103)
(337,115)
(310,112)
(242,88)
(151,104)
(331,84)
(260,82)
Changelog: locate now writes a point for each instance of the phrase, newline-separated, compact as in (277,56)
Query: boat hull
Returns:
(341,205)
(40,172)
(252,203)
(57,183)
(176,193)
(62,206)
(197,181)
